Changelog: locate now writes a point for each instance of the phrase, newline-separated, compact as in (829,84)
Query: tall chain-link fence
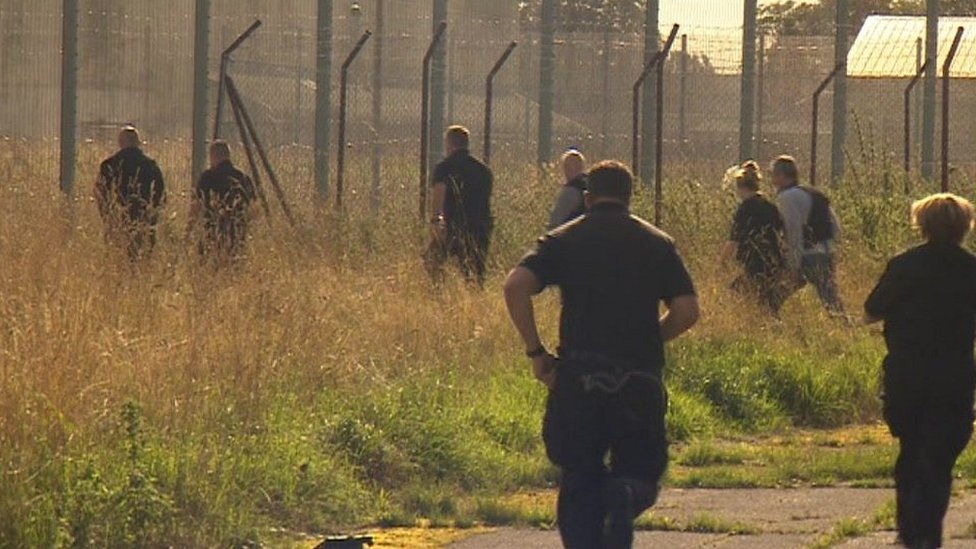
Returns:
(136,65)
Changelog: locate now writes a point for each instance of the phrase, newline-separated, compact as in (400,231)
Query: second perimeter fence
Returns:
(136,65)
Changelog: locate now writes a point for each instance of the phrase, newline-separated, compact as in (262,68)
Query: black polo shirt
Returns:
(131,181)
(613,270)
(927,299)
(758,232)
(467,202)
(225,193)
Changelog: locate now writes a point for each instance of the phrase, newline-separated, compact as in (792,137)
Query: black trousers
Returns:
(595,410)
(469,247)
(933,422)
(136,237)
(768,286)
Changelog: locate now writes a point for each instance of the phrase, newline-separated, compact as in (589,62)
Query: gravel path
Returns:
(784,518)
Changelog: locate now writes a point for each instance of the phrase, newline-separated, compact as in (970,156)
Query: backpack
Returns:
(820,225)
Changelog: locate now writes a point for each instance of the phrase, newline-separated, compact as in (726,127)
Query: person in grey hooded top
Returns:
(810,259)
(569,202)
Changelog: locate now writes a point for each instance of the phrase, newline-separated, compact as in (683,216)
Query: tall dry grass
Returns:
(216,383)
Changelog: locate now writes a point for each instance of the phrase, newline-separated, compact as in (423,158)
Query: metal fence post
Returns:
(242,130)
(652,37)
(908,113)
(607,105)
(547,69)
(760,94)
(747,96)
(201,86)
(946,78)
(636,131)
(438,88)
(323,97)
(683,92)
(425,116)
(489,97)
(929,90)
(343,107)
(377,91)
(69,94)
(659,130)
(919,57)
(236,100)
(839,130)
(816,121)
(224,61)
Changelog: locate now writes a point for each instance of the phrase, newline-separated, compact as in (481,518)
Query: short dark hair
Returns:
(458,136)
(220,148)
(786,166)
(611,179)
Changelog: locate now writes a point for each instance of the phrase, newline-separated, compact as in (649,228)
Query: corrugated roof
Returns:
(886,46)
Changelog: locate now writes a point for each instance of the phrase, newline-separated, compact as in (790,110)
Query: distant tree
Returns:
(589,15)
(619,16)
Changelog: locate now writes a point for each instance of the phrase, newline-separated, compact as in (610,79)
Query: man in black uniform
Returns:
(606,395)
(130,192)
(462,221)
(927,300)
(223,197)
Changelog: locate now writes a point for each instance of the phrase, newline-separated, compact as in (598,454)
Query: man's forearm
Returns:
(437,199)
(682,314)
(519,289)
(671,327)
(522,312)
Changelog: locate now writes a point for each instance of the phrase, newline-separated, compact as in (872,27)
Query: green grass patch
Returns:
(845,529)
(698,524)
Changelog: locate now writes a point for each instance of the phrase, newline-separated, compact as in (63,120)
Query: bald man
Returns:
(569,202)
(130,192)
(222,199)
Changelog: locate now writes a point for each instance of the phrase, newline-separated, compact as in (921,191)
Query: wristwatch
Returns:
(536,353)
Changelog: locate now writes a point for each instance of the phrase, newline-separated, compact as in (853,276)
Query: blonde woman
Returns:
(756,240)
(927,300)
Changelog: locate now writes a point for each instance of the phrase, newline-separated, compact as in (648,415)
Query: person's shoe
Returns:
(619,501)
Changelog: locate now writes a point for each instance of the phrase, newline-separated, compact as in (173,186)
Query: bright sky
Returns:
(704,13)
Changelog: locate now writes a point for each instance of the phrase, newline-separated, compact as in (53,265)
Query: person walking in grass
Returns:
(811,228)
(569,203)
(222,199)
(756,240)
(606,394)
(130,193)
(462,222)
(927,300)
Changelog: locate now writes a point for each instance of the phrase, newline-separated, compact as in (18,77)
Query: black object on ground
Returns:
(346,542)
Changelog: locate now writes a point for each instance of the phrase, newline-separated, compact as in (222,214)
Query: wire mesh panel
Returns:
(30,78)
(136,65)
